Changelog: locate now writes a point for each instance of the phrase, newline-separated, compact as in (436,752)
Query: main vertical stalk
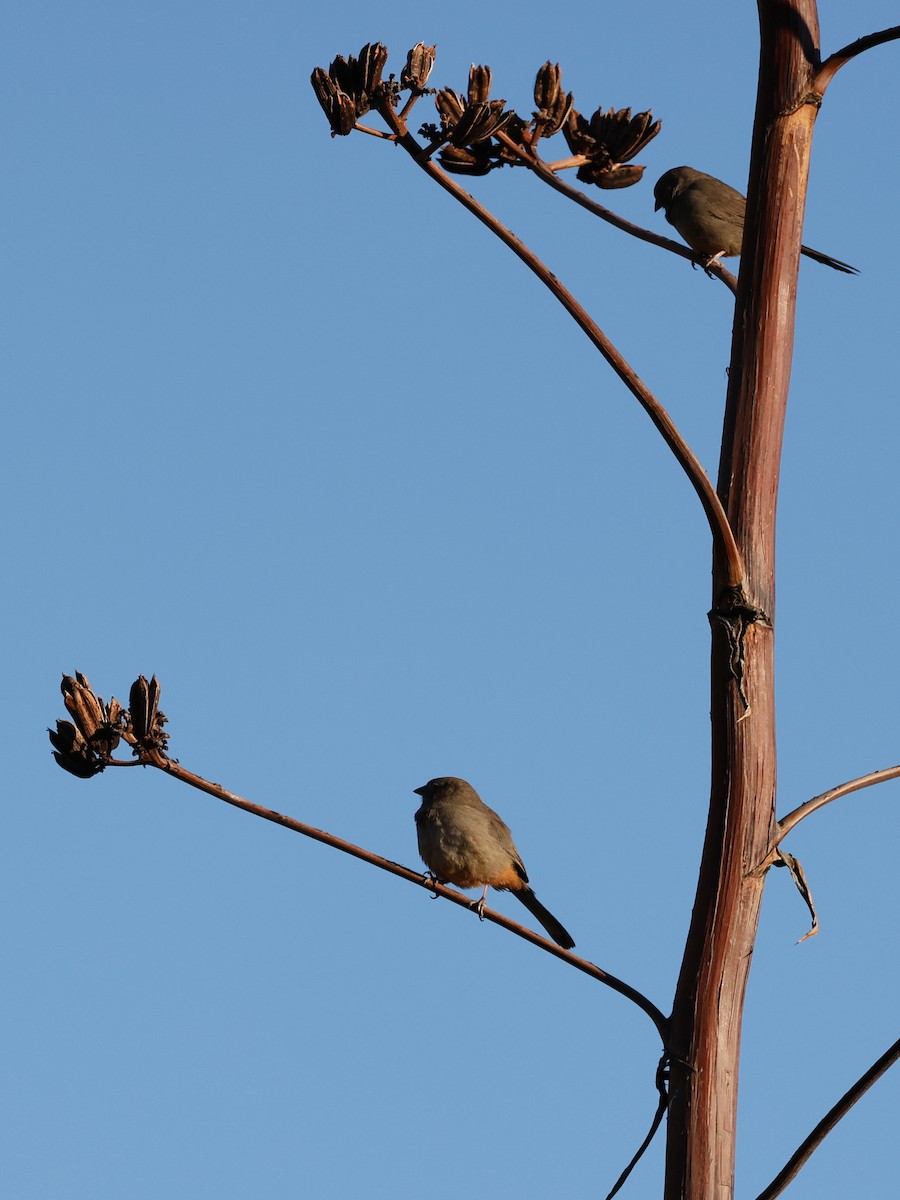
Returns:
(709,999)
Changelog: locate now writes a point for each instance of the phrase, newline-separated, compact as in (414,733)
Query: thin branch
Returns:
(840,58)
(663,1103)
(546,174)
(722,534)
(379,133)
(828,1122)
(786,824)
(155,758)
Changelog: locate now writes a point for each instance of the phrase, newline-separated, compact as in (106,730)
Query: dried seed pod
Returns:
(450,106)
(467,123)
(419,64)
(479,122)
(479,84)
(553,104)
(372,59)
(360,77)
(608,140)
(616,175)
(460,160)
(99,724)
(72,752)
(85,708)
(338,106)
(348,88)
(146,719)
(622,135)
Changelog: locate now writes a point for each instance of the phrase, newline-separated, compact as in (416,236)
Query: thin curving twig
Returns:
(828,1122)
(663,1103)
(840,58)
(712,506)
(793,818)
(156,758)
(547,175)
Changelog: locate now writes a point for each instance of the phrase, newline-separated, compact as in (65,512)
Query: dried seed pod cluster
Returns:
(85,745)
(475,134)
(349,87)
(607,141)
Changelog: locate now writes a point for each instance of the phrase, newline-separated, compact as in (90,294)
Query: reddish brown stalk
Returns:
(709,999)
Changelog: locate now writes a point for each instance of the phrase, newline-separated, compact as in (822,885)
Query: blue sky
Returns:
(288,429)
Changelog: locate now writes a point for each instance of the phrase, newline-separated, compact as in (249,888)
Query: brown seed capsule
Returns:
(419,63)
(339,107)
(146,719)
(85,708)
(608,140)
(553,104)
(72,752)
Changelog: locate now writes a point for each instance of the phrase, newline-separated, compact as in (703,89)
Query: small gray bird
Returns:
(462,841)
(709,215)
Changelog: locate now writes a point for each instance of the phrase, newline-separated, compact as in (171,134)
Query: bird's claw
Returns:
(711,260)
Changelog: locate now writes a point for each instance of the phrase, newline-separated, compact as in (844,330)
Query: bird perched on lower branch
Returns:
(462,841)
(709,215)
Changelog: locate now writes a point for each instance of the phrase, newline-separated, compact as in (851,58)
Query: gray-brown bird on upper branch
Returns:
(709,215)
(462,841)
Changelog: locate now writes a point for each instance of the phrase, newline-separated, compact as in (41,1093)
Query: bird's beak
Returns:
(419,791)
(657,206)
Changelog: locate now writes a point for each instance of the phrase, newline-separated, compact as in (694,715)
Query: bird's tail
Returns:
(547,919)
(817,256)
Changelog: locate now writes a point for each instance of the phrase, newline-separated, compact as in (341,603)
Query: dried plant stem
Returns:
(546,173)
(828,1122)
(708,1008)
(155,758)
(840,58)
(712,506)
(793,818)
